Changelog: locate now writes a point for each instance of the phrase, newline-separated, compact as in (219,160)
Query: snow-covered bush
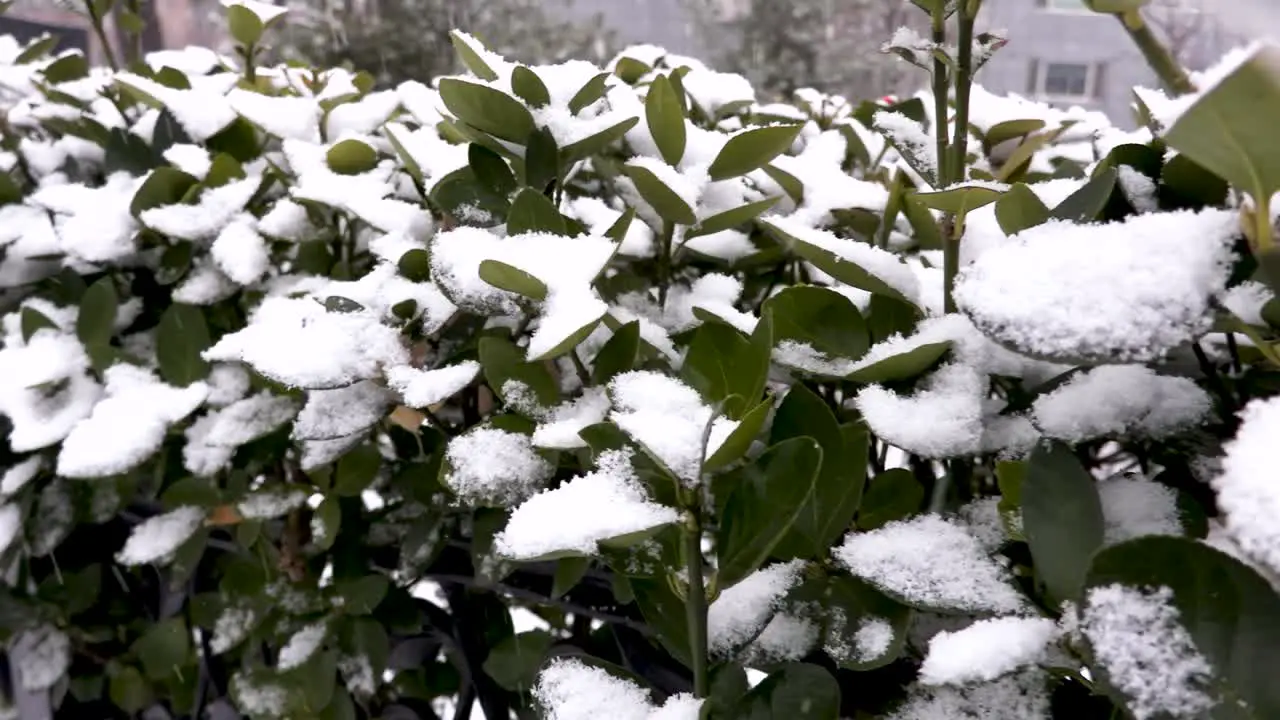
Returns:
(581,391)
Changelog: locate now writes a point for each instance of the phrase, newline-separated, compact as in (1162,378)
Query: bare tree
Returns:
(1190,29)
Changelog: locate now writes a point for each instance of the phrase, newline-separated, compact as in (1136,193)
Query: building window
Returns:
(1066,81)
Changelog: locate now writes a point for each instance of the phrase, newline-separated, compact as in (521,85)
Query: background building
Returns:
(171,24)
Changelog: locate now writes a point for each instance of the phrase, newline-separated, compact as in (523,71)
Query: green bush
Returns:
(328,401)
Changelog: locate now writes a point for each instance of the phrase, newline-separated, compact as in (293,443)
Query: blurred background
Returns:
(1058,51)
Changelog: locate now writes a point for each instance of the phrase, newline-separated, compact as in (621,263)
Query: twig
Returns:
(1165,65)
(523,594)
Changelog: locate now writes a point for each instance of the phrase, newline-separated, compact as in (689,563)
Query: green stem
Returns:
(250,72)
(940,81)
(96,21)
(964,81)
(950,262)
(664,264)
(696,602)
(1165,65)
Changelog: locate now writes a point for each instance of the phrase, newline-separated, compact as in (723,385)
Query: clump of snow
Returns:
(1149,656)
(569,689)
(1246,300)
(581,512)
(1248,496)
(1118,400)
(669,419)
(885,266)
(301,646)
(156,538)
(873,638)
(740,612)
(46,654)
(426,388)
(986,650)
(1024,696)
(1115,292)
(488,465)
(931,562)
(233,625)
(910,137)
(943,418)
(787,638)
(559,427)
(19,474)
(264,504)
(1134,507)
(330,414)
(298,342)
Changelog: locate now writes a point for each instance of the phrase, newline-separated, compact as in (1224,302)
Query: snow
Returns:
(933,562)
(712,90)
(1246,301)
(559,426)
(873,638)
(1149,656)
(910,136)
(1138,189)
(128,425)
(204,285)
(881,264)
(10,525)
(297,342)
(727,245)
(266,12)
(233,625)
(242,421)
(240,252)
(205,219)
(1248,495)
(301,646)
(741,611)
(986,650)
(687,188)
(806,358)
(287,220)
(1023,696)
(273,503)
(1118,400)
(1134,507)
(581,512)
(330,414)
(158,537)
(190,159)
(19,474)
(598,217)
(46,654)
(944,418)
(787,638)
(46,391)
(1116,292)
(1167,111)
(569,689)
(669,419)
(201,112)
(426,388)
(491,466)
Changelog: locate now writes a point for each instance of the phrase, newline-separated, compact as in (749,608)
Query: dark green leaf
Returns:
(512,279)
(532,211)
(958,200)
(592,91)
(665,117)
(739,441)
(541,160)
(1020,208)
(362,595)
(838,489)
(834,265)
(669,205)
(904,366)
(1061,518)
(618,355)
(798,691)
(471,57)
(1186,184)
(1085,204)
(72,66)
(631,69)
(165,186)
(96,322)
(763,500)
(859,602)
(821,318)
(128,690)
(514,662)
(715,367)
(789,183)
(596,143)
(529,87)
(180,338)
(503,361)
(415,265)
(239,140)
(1008,130)
(223,170)
(569,572)
(164,647)
(752,149)
(486,109)
(892,495)
(731,218)
(32,321)
(356,470)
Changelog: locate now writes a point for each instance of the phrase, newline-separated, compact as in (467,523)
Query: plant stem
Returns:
(96,21)
(664,264)
(950,263)
(696,602)
(1165,65)
(964,81)
(940,81)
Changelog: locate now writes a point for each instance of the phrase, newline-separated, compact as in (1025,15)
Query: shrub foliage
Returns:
(580,391)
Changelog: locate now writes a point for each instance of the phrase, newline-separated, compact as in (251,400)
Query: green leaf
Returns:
(752,149)
(164,647)
(739,441)
(670,206)
(1020,208)
(514,662)
(1010,475)
(1061,518)
(1186,184)
(244,25)
(164,186)
(592,91)
(858,603)
(181,336)
(834,265)
(571,340)
(239,140)
(1008,130)
(763,500)
(789,183)
(529,87)
(68,67)
(618,355)
(797,691)
(10,191)
(356,470)
(411,166)
(665,117)
(1085,204)
(631,69)
(597,143)
(128,690)
(821,318)
(512,279)
(569,572)
(361,595)
(37,49)
(196,491)
(351,157)
(892,495)
(1115,6)
(904,366)
(541,160)
(471,57)
(503,361)
(731,218)
(96,322)
(33,321)
(223,170)
(325,524)
(960,199)
(1231,613)
(532,211)
(486,109)
(415,265)
(838,489)
(714,367)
